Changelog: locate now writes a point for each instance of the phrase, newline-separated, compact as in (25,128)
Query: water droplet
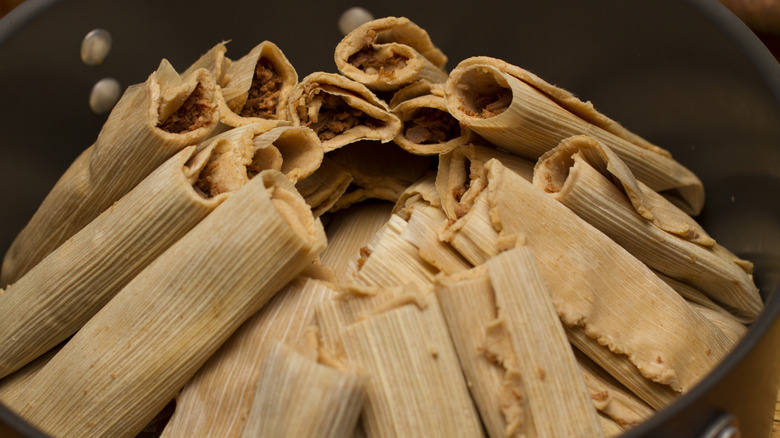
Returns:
(104,95)
(95,46)
(352,18)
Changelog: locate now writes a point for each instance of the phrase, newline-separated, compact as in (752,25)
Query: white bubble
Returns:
(95,46)
(352,18)
(104,95)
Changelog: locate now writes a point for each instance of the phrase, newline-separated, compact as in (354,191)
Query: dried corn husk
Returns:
(341,111)
(214,61)
(541,391)
(62,292)
(729,325)
(380,171)
(256,88)
(129,360)
(607,296)
(299,151)
(323,188)
(13,385)
(326,402)
(427,125)
(390,260)
(611,398)
(349,231)
(218,400)
(150,123)
(399,338)
(518,111)
(580,173)
(457,167)
(387,53)
(422,191)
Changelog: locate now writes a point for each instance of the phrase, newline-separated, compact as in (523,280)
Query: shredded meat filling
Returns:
(488,105)
(367,61)
(336,117)
(194,113)
(431,126)
(264,93)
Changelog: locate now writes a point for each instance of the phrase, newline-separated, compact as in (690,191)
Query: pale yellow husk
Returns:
(350,230)
(299,148)
(542,391)
(238,83)
(323,188)
(400,53)
(129,360)
(218,400)
(607,295)
(581,174)
(61,293)
(399,338)
(518,111)
(297,397)
(130,145)
(214,61)
(428,127)
(311,105)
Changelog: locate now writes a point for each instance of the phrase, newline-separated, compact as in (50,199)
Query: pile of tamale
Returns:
(394,250)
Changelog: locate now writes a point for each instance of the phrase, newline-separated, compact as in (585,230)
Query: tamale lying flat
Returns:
(349,231)
(150,123)
(399,338)
(518,111)
(256,88)
(341,111)
(62,292)
(387,53)
(132,357)
(217,401)
(504,312)
(326,402)
(607,296)
(583,174)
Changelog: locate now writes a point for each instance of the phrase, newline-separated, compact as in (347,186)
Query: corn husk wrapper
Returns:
(256,89)
(379,171)
(129,360)
(13,385)
(581,174)
(299,151)
(218,400)
(350,230)
(729,325)
(387,53)
(610,427)
(326,402)
(539,390)
(423,191)
(214,61)
(323,188)
(341,111)
(399,339)
(518,111)
(610,397)
(390,260)
(458,167)
(150,123)
(428,127)
(608,297)
(62,292)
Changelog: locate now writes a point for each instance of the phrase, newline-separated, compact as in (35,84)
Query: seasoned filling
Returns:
(431,126)
(264,93)
(226,170)
(368,61)
(491,104)
(336,117)
(460,190)
(194,113)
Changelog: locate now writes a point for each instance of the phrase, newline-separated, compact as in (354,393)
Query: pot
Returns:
(686,75)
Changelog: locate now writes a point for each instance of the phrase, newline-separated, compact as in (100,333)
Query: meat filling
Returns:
(431,126)
(263,98)
(336,117)
(368,61)
(492,104)
(194,113)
